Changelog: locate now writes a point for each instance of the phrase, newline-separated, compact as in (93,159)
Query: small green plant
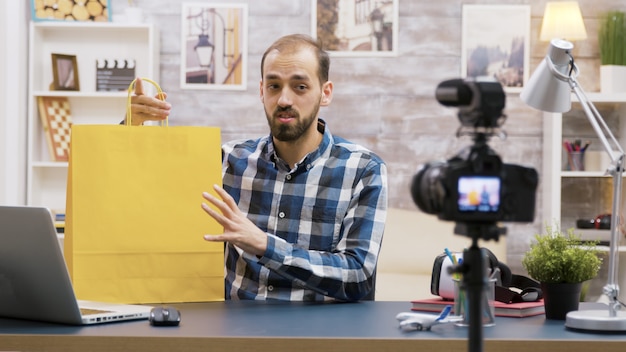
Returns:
(562,258)
(612,38)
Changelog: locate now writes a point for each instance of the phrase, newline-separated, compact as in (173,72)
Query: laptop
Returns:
(34,281)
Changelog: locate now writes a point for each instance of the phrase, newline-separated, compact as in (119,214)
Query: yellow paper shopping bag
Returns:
(134,224)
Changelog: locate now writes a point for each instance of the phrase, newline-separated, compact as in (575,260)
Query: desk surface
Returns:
(273,326)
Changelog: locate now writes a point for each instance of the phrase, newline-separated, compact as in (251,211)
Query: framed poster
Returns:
(71,10)
(214,50)
(496,43)
(64,72)
(356,27)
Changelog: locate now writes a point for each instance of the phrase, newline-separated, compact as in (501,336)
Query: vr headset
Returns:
(510,288)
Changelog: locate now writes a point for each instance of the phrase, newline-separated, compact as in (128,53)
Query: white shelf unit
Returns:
(89,41)
(553,173)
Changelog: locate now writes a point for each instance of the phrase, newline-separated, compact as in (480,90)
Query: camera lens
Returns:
(426,189)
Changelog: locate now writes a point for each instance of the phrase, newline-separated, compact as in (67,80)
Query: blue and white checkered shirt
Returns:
(324,220)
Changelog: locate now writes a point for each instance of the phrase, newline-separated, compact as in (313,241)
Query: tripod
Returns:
(474,272)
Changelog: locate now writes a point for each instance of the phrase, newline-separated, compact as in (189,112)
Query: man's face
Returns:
(292,95)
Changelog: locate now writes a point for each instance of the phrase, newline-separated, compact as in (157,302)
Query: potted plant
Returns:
(612,41)
(561,263)
(134,14)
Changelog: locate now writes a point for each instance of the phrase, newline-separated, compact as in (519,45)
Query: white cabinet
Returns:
(89,42)
(592,190)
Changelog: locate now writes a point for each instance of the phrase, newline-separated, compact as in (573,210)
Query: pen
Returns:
(585,146)
(450,256)
(567,145)
(495,275)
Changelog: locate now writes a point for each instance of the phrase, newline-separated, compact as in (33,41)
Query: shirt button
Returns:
(308,166)
(281,215)
(270,288)
(288,177)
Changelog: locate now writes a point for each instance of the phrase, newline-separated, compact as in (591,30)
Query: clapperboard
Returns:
(114,74)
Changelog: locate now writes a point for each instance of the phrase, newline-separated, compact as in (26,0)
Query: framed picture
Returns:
(214,54)
(496,43)
(71,10)
(356,28)
(64,72)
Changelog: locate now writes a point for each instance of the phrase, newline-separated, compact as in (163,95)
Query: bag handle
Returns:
(160,95)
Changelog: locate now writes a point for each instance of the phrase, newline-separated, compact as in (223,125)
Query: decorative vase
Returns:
(612,79)
(560,298)
(133,14)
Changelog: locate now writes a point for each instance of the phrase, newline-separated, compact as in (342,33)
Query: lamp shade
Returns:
(562,20)
(548,88)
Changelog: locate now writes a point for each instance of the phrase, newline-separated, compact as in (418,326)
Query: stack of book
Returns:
(59,221)
(517,310)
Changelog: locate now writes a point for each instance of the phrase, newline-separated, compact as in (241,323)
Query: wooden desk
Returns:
(267,326)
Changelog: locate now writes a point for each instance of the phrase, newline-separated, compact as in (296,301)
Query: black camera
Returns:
(475,186)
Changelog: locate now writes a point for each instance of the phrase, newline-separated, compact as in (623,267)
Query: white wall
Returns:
(13,90)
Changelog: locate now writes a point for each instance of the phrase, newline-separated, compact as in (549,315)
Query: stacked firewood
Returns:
(72,10)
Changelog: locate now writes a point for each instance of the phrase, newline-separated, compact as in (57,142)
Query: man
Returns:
(303,211)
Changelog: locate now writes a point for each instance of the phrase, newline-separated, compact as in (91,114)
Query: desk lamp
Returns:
(562,20)
(549,89)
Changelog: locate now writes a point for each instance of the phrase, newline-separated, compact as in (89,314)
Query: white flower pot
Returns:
(133,14)
(612,79)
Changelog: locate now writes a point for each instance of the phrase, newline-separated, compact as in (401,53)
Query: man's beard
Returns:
(293,131)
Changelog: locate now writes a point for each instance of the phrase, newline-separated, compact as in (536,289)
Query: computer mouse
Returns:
(164,316)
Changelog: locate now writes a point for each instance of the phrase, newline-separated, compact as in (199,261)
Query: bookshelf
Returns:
(556,193)
(89,42)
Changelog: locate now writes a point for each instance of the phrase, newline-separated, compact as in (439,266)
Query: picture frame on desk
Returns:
(64,72)
(95,11)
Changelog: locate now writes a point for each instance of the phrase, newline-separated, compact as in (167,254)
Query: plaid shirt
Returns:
(324,220)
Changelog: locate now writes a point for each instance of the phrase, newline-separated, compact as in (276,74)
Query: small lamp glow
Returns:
(562,20)
(549,89)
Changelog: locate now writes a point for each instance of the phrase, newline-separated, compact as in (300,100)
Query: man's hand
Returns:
(144,108)
(238,229)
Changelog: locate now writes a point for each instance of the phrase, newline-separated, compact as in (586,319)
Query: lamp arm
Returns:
(611,289)
(546,93)
(597,122)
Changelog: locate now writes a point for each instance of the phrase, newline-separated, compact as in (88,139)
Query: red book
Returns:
(516,310)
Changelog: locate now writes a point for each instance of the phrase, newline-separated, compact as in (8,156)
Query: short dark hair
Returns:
(294,42)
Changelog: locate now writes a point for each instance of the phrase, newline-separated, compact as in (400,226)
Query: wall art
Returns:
(214,46)
(496,43)
(356,27)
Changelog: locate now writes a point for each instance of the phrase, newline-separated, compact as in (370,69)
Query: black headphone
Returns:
(526,289)
(530,289)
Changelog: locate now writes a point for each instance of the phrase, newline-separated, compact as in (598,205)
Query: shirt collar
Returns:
(309,158)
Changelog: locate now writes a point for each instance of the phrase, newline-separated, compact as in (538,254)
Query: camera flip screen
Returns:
(479,194)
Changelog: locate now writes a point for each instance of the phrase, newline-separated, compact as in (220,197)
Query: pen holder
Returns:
(461,303)
(576,161)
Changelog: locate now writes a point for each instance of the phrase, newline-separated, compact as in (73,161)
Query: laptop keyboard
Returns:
(88,311)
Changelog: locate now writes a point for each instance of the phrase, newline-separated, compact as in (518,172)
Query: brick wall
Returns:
(386,103)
